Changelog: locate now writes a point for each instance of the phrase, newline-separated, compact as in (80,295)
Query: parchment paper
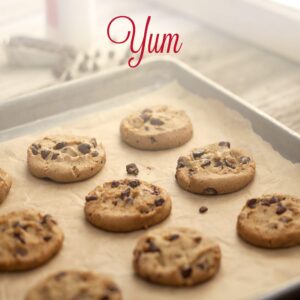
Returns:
(246,271)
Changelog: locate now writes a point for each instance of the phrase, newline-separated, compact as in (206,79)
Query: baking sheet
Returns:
(246,271)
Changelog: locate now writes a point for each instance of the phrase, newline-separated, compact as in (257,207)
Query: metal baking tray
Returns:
(54,105)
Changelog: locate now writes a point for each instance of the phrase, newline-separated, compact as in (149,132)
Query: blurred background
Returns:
(250,47)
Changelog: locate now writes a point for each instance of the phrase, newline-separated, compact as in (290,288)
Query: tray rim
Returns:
(165,60)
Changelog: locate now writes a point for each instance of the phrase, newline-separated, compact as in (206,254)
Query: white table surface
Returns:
(267,81)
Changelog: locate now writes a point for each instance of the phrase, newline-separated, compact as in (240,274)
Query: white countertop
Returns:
(265,80)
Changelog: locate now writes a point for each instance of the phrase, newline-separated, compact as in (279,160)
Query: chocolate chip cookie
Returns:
(75,285)
(5,184)
(127,205)
(271,221)
(28,239)
(156,128)
(215,169)
(64,158)
(176,256)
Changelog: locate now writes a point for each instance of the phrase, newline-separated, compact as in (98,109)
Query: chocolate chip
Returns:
(35,146)
(244,159)
(180,162)
(186,272)
(146,128)
(34,151)
(134,183)
(129,200)
(91,198)
(197,239)
(203,209)
(280,209)
(152,247)
(132,169)
(84,148)
(93,141)
(285,219)
(218,163)
(45,153)
(224,144)
(274,200)
(155,190)
(60,145)
(47,238)
(115,184)
(156,122)
(229,164)
(173,237)
(159,202)
(198,153)
(21,251)
(19,237)
(125,194)
(251,203)
(45,219)
(95,153)
(146,117)
(105,297)
(205,163)
(210,191)
(54,156)
(147,110)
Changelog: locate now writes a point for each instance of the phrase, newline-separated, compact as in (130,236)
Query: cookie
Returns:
(75,285)
(270,221)
(5,184)
(215,169)
(65,158)
(156,128)
(28,239)
(127,205)
(176,256)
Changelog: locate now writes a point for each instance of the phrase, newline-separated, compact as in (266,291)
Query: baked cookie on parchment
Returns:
(156,128)
(73,285)
(28,239)
(176,256)
(65,158)
(215,169)
(5,184)
(271,221)
(127,205)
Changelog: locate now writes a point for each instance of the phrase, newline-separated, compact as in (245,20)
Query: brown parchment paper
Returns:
(246,271)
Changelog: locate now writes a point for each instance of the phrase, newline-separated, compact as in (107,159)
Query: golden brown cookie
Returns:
(156,128)
(5,184)
(215,169)
(127,205)
(176,256)
(75,285)
(28,239)
(271,221)
(65,158)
